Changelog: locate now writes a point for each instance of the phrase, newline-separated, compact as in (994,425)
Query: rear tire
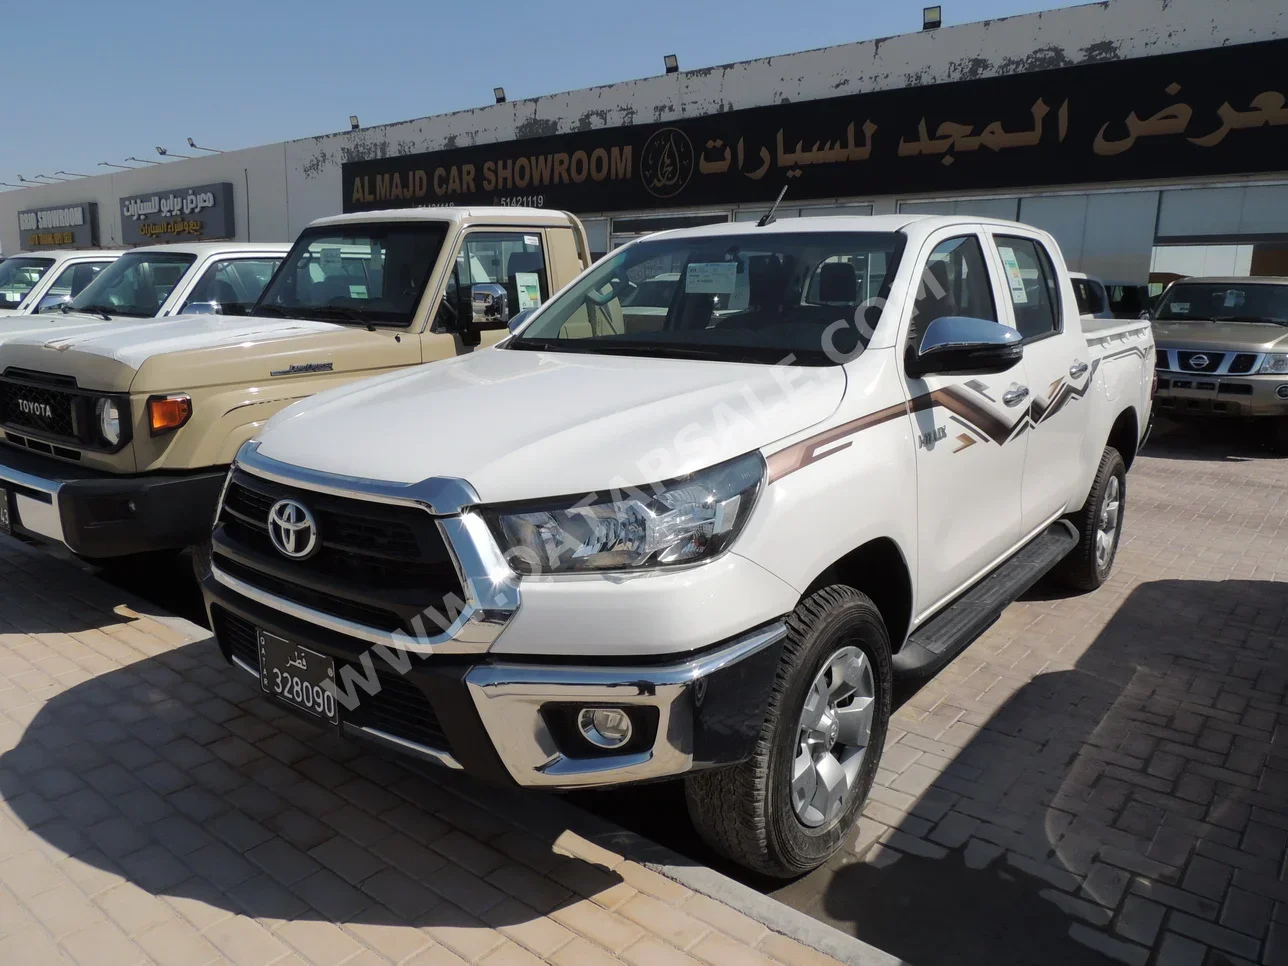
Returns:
(1099,524)
(767,813)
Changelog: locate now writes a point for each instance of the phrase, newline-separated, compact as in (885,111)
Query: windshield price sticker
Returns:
(1180,307)
(529,285)
(357,291)
(711,278)
(532,241)
(1013,275)
(329,259)
(1233,298)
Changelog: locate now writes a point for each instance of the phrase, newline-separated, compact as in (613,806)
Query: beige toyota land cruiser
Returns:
(116,441)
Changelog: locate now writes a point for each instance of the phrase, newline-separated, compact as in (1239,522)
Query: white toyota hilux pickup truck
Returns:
(697,543)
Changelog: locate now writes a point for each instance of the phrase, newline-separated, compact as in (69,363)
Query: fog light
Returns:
(1282,392)
(604,727)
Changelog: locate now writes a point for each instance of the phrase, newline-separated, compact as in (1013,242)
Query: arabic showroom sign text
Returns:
(181,214)
(1207,112)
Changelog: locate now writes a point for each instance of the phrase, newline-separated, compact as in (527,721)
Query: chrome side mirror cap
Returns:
(959,345)
(491,305)
(49,302)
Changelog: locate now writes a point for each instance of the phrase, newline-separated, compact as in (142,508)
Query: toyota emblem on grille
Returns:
(292,529)
(1199,361)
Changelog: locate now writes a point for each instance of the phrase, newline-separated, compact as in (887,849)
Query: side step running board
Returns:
(936,642)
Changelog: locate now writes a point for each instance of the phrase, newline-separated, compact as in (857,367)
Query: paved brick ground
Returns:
(155,808)
(1101,778)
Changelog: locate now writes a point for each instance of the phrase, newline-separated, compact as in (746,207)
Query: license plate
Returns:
(6,522)
(298,677)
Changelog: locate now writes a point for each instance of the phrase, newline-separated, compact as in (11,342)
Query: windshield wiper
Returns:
(1249,318)
(98,310)
(340,311)
(274,310)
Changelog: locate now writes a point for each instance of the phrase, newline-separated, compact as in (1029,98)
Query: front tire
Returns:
(793,803)
(1099,524)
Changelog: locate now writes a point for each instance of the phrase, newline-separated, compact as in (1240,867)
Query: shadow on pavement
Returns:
(176,774)
(1092,796)
(1212,439)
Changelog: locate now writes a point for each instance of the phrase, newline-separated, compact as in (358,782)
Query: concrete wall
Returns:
(293,183)
(1115,30)
(260,212)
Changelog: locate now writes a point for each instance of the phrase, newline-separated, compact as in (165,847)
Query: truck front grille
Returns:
(1208,361)
(52,408)
(398,707)
(379,565)
(50,412)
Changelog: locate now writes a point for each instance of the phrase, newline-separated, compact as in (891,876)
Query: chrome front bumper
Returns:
(710,709)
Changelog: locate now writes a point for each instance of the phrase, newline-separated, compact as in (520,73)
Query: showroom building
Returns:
(1149,136)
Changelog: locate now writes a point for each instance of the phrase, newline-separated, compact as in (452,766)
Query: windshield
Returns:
(18,276)
(361,273)
(136,284)
(766,298)
(1224,302)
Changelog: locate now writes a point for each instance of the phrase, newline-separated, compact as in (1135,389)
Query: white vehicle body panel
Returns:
(62,260)
(527,425)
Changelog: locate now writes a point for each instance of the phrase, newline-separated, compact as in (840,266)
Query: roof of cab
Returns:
(923,224)
(202,249)
(62,254)
(1236,280)
(457,216)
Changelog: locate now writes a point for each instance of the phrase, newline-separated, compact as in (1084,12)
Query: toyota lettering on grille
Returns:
(292,529)
(32,408)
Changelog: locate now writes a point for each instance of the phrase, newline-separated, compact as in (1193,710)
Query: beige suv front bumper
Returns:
(1193,393)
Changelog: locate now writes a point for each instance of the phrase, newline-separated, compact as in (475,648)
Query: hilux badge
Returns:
(928,439)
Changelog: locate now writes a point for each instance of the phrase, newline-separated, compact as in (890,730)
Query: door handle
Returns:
(1016,395)
(1078,369)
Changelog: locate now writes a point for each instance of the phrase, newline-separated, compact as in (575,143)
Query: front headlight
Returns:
(109,421)
(1275,364)
(678,522)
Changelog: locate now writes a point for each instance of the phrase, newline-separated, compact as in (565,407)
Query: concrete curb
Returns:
(549,815)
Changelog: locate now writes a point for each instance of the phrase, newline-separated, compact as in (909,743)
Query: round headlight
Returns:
(109,421)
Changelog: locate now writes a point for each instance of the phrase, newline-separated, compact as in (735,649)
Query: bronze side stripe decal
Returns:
(952,398)
(793,458)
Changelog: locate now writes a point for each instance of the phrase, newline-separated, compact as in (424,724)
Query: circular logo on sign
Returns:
(292,529)
(666,164)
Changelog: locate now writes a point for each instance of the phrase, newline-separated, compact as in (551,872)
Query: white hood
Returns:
(13,327)
(132,342)
(521,425)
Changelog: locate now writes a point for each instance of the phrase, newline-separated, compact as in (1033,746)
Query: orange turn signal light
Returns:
(168,413)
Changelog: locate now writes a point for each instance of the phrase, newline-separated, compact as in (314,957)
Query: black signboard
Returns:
(1207,112)
(59,226)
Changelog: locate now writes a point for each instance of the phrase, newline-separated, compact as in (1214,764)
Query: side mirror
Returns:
(491,305)
(518,320)
(957,345)
(201,308)
(51,302)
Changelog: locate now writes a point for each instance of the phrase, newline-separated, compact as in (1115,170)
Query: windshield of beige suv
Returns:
(807,298)
(135,285)
(364,274)
(18,276)
(1224,302)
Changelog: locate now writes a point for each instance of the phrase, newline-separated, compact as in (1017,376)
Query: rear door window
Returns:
(1032,285)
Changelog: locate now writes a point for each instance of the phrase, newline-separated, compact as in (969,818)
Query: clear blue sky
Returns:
(101,81)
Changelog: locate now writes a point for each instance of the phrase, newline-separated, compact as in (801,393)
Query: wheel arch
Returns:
(880,570)
(1124,435)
